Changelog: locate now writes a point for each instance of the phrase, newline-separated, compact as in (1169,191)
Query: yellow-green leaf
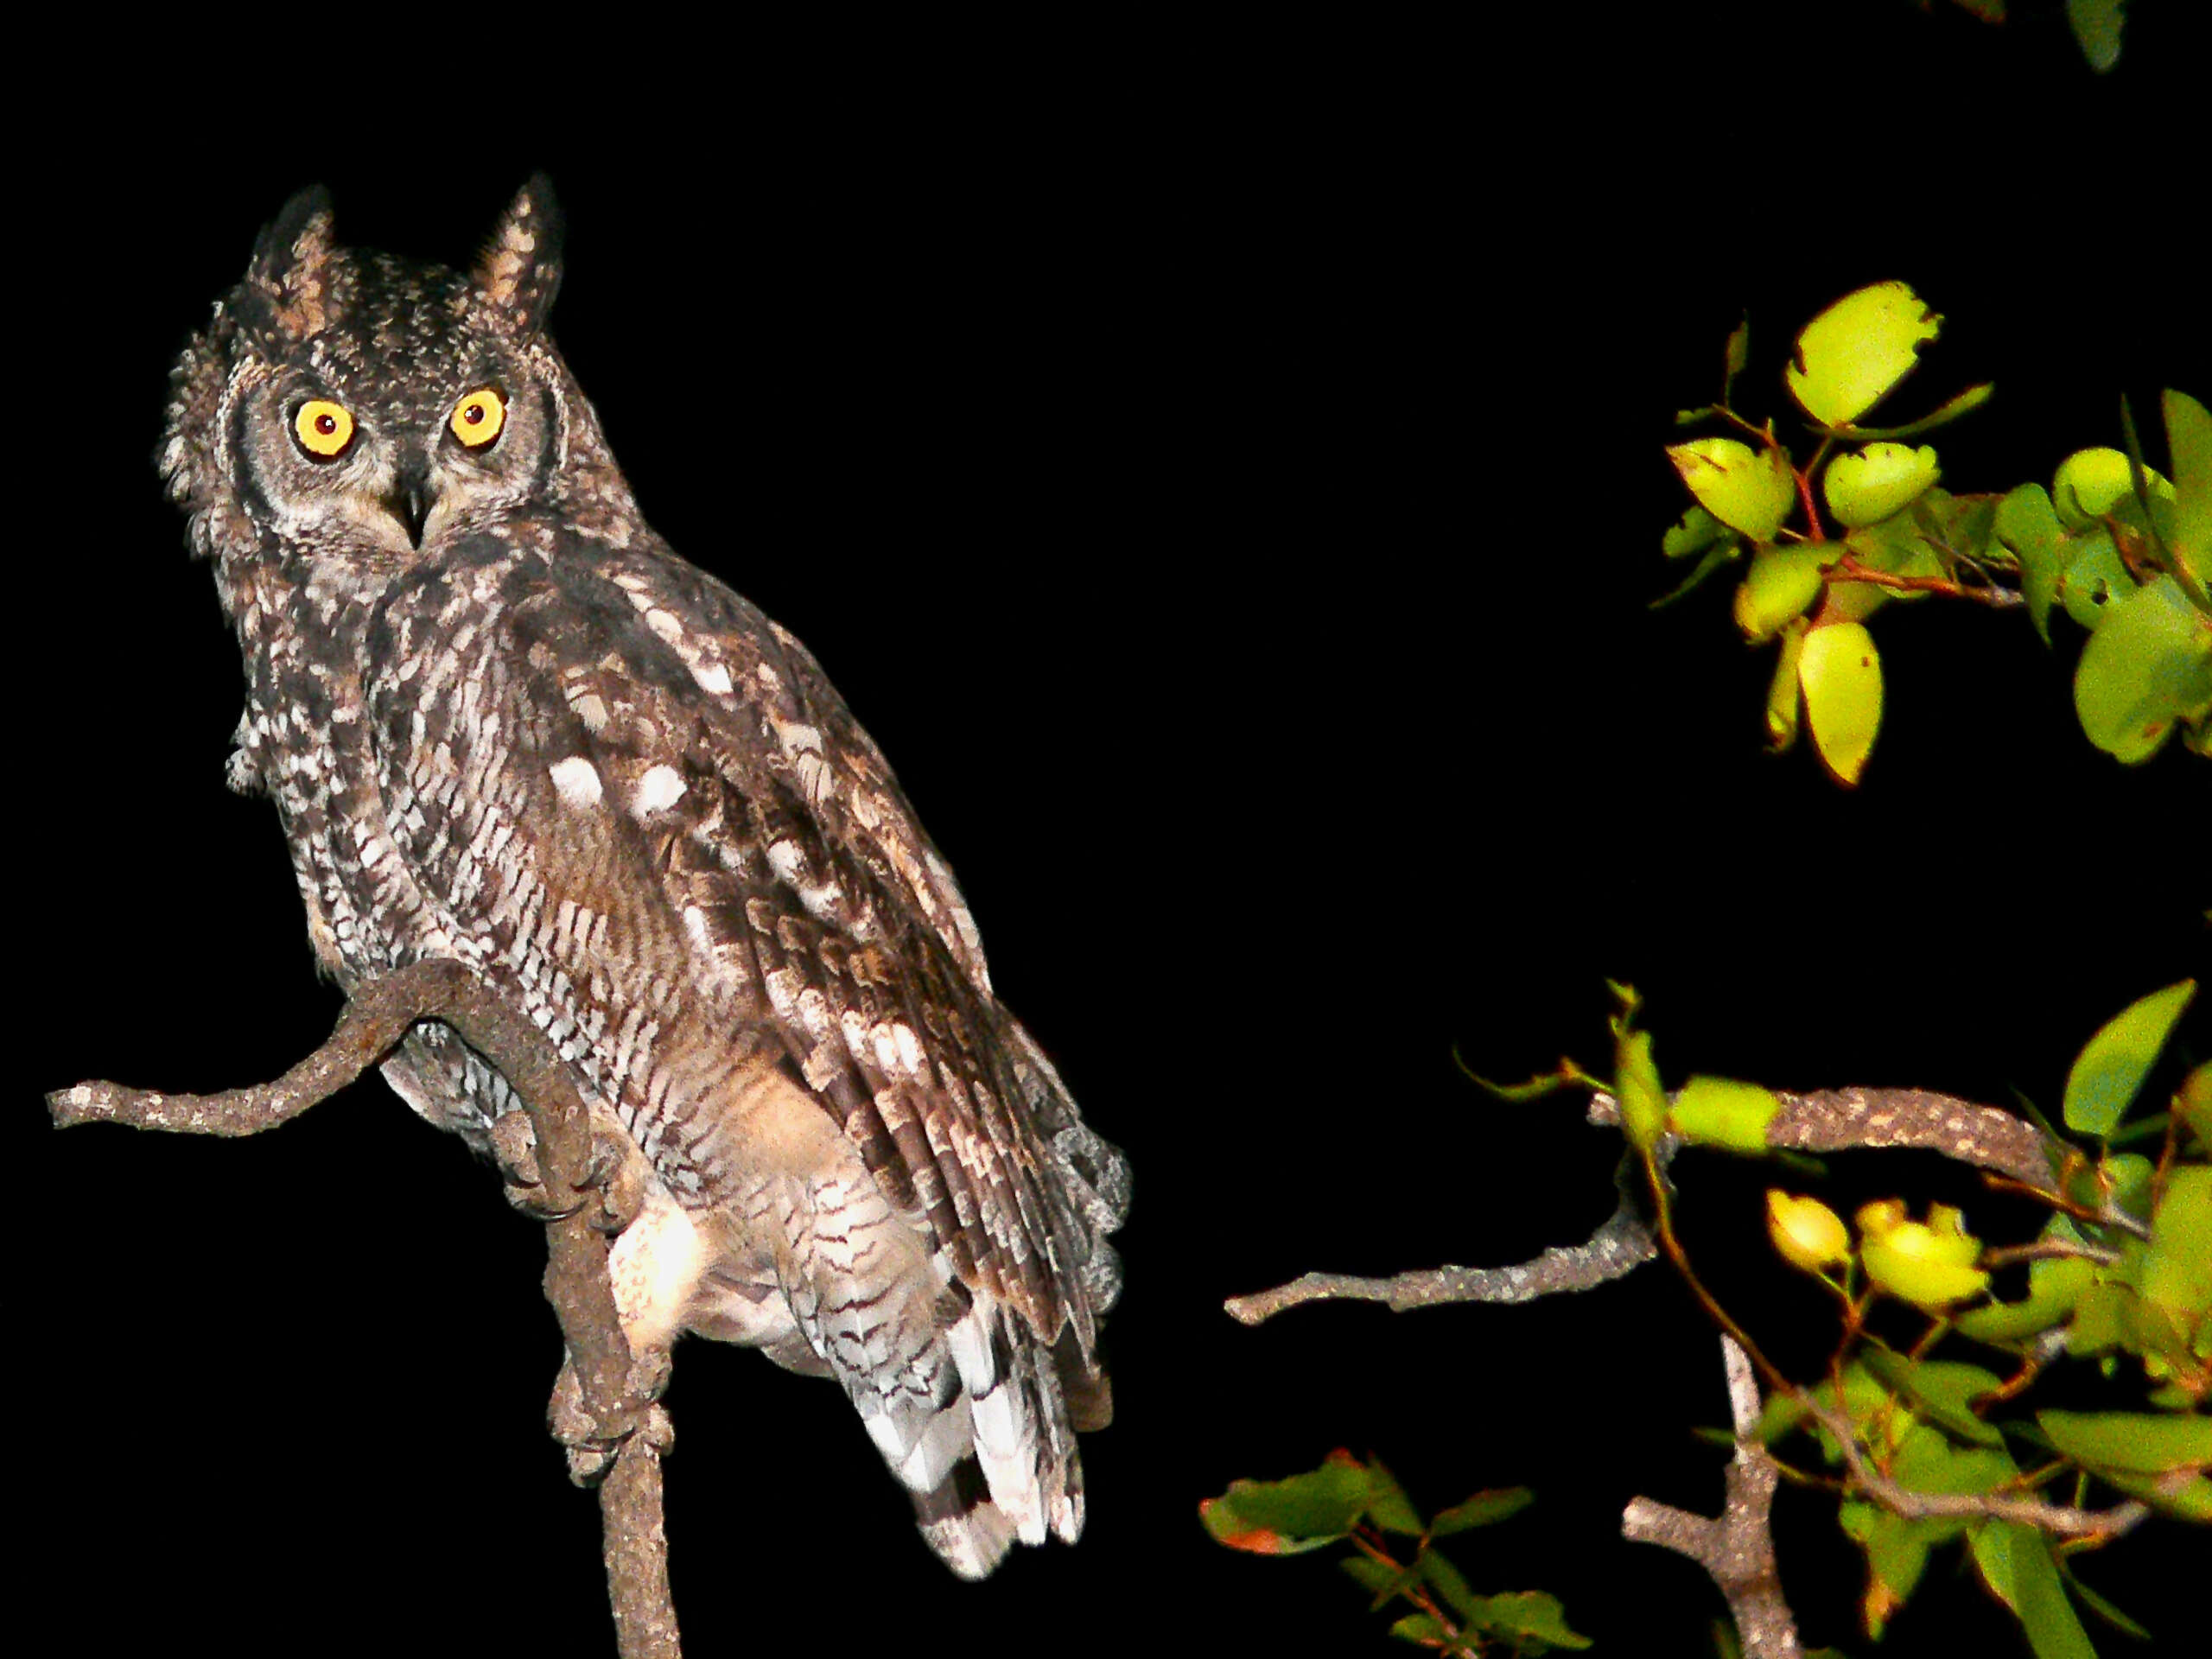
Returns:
(2027,524)
(1810,1235)
(1869,484)
(2148,665)
(1783,583)
(1854,353)
(1840,673)
(2188,443)
(1747,489)
(1643,1099)
(2110,1068)
(2090,483)
(1722,1112)
(1781,697)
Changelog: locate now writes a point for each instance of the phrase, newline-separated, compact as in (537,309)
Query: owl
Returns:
(504,724)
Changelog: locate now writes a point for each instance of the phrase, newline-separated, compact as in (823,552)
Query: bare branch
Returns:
(614,1391)
(1621,1245)
(1736,1546)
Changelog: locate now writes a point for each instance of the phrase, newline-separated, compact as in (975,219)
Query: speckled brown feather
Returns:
(502,722)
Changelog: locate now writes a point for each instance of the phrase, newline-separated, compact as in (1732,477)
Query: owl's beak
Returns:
(412,499)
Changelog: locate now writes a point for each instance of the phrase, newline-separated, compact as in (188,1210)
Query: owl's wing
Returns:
(792,853)
(681,770)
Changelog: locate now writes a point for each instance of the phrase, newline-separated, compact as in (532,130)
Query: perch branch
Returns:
(1736,1547)
(376,1015)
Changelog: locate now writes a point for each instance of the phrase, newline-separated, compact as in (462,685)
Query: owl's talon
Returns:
(589,1449)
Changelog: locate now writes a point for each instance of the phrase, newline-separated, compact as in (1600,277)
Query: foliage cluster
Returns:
(2122,550)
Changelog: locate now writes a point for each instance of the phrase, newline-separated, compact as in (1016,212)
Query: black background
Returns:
(1224,472)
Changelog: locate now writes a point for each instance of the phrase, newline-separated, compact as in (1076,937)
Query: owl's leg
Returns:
(616,1172)
(580,1433)
(654,1269)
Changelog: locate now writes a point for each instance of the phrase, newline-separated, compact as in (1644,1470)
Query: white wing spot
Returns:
(712,676)
(578,781)
(658,788)
(664,624)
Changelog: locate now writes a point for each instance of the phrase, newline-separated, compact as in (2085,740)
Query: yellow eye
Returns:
(324,429)
(478,417)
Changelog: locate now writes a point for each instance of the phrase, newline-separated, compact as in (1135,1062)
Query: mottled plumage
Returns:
(504,723)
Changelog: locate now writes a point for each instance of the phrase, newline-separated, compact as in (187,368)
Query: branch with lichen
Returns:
(614,1429)
(1836,1120)
(1735,1547)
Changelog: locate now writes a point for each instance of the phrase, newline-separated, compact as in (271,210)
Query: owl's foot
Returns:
(590,1447)
(613,1183)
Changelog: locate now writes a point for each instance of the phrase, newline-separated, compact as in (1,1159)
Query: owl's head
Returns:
(358,405)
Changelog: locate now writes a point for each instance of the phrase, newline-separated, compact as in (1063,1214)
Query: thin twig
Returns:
(1736,1547)
(611,1394)
(1848,569)
(2059,1520)
(1623,1243)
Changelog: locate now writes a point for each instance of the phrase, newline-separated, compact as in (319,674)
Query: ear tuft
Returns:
(290,272)
(520,270)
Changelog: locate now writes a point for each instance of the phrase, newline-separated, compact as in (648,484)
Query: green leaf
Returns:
(2054,1286)
(1635,1084)
(1421,1629)
(1532,1614)
(2104,1319)
(1483,1509)
(1713,558)
(1285,1517)
(1722,1112)
(1851,356)
(1870,484)
(1387,1506)
(2092,577)
(1379,1576)
(1840,673)
(2027,523)
(1738,354)
(2130,1442)
(2177,1270)
(2148,665)
(2096,25)
(2097,1604)
(2017,1563)
(1693,532)
(1782,698)
(1950,410)
(1943,1389)
(1897,1554)
(2111,1067)
(2189,440)
(1750,490)
(1445,1578)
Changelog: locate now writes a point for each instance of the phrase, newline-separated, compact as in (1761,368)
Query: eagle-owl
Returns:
(504,723)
